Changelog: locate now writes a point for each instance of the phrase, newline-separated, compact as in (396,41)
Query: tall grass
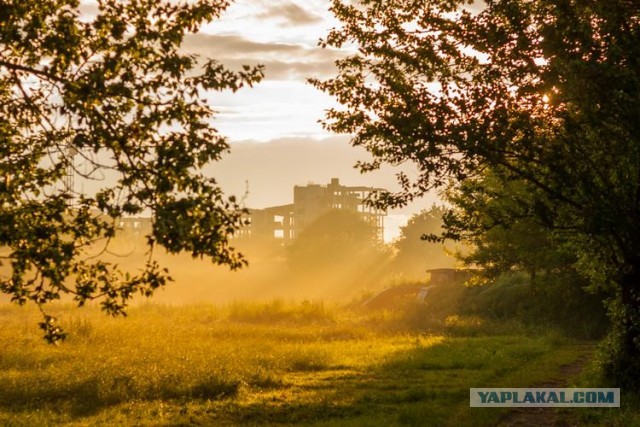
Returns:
(245,363)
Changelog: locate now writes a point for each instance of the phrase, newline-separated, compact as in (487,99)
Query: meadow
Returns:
(277,363)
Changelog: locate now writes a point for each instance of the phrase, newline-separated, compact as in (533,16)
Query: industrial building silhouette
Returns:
(311,201)
(283,223)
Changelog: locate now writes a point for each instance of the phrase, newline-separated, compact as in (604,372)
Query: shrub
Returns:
(556,301)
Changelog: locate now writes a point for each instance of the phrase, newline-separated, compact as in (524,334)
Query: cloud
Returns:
(267,171)
(89,9)
(477,6)
(286,70)
(283,61)
(289,13)
(252,32)
(234,45)
(271,169)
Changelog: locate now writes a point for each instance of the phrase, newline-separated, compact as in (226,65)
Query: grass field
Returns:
(247,364)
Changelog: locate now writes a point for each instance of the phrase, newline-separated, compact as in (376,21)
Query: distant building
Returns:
(138,226)
(272,222)
(286,221)
(309,203)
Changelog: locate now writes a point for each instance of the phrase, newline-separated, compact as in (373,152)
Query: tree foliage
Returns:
(546,92)
(339,252)
(334,240)
(414,253)
(106,95)
(498,220)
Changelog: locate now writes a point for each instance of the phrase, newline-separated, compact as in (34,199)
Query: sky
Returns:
(273,128)
(276,138)
(283,35)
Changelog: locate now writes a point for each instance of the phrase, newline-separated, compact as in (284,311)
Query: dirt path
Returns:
(545,417)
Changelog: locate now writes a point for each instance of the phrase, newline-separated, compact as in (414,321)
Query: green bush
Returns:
(554,301)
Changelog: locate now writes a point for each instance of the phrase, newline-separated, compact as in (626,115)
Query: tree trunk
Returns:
(622,353)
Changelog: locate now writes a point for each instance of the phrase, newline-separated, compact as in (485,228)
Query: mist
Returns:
(337,258)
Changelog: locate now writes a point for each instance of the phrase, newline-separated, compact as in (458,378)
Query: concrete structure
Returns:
(136,226)
(310,202)
(273,222)
(283,223)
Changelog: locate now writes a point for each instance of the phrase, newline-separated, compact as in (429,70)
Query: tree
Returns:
(498,220)
(414,254)
(333,238)
(115,93)
(508,243)
(542,91)
(338,247)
